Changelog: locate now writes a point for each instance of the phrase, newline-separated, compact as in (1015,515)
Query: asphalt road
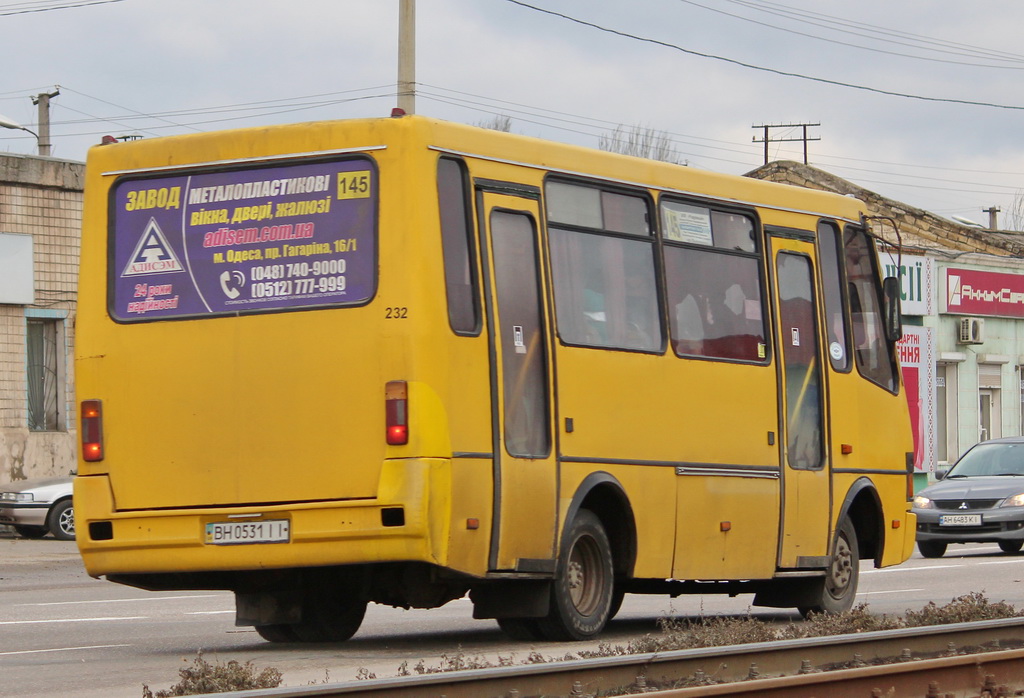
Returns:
(65,634)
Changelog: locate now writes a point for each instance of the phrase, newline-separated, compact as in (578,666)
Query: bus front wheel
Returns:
(581,594)
(836,591)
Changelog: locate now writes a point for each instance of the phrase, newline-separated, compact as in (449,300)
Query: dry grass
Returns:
(202,677)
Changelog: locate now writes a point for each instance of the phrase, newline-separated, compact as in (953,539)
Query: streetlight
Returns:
(6,122)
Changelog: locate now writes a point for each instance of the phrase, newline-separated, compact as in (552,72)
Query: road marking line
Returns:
(1000,562)
(70,620)
(206,613)
(62,649)
(148,598)
(893,591)
(911,569)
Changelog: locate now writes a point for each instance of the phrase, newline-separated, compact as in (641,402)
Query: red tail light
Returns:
(396,412)
(92,430)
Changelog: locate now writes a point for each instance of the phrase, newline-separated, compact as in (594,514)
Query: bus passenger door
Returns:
(806,480)
(524,470)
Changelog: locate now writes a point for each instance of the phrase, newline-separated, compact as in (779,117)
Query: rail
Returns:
(962,658)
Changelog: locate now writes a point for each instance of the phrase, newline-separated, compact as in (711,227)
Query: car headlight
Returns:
(1016,500)
(16,497)
(923,503)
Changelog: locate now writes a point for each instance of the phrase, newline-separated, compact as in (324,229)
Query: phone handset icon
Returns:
(231,290)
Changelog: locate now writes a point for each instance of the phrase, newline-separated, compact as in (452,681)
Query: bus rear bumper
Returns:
(222,539)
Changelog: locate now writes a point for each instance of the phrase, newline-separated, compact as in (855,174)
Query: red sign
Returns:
(973,292)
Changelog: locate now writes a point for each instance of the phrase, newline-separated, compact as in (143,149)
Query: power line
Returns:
(28,8)
(853,45)
(847,27)
(774,71)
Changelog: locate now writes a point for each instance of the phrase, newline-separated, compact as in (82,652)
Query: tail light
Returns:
(91,427)
(396,411)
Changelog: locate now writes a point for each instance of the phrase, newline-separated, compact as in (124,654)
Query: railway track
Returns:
(982,658)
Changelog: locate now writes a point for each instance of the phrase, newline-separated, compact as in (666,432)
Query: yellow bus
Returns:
(402,360)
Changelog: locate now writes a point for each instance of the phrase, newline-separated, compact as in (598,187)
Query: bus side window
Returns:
(713,279)
(457,243)
(831,271)
(871,351)
(602,259)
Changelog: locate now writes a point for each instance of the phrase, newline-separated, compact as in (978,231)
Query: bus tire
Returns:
(931,548)
(581,594)
(330,617)
(522,629)
(836,591)
(617,596)
(277,632)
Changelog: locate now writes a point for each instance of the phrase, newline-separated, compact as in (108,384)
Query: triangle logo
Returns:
(153,255)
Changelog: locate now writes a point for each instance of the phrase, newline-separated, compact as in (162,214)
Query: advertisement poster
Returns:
(917,279)
(279,237)
(977,292)
(917,361)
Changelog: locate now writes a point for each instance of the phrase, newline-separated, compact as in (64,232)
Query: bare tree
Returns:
(1014,219)
(641,141)
(499,122)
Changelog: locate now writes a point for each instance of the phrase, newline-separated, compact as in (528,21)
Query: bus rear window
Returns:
(230,241)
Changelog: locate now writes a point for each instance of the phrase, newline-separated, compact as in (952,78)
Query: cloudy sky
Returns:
(919,100)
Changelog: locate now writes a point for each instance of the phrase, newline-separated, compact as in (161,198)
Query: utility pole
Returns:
(993,217)
(766,140)
(407,56)
(43,101)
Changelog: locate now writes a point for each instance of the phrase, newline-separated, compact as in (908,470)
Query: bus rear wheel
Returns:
(522,629)
(330,617)
(326,617)
(836,592)
(581,594)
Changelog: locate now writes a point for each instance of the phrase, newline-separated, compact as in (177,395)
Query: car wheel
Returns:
(1011,546)
(61,520)
(931,548)
(30,531)
(581,594)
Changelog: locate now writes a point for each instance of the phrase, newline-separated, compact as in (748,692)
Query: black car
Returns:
(979,500)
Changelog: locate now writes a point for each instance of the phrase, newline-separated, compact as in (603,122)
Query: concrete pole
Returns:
(993,217)
(407,56)
(43,139)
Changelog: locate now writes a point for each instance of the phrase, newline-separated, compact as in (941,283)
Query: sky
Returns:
(918,100)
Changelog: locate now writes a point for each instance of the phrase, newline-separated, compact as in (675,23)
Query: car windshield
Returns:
(992,459)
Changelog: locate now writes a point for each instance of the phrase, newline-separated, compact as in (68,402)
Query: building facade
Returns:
(40,222)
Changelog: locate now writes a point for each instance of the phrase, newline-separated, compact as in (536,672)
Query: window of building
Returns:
(457,242)
(44,373)
(602,259)
(713,282)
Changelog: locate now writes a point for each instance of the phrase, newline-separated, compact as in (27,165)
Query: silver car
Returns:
(37,507)
(979,500)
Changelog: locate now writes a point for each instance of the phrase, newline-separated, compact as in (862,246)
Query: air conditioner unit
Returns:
(971,331)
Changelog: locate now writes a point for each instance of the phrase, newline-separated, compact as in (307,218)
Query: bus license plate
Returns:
(246,532)
(960,520)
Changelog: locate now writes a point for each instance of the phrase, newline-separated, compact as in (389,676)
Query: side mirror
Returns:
(891,308)
(940,473)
